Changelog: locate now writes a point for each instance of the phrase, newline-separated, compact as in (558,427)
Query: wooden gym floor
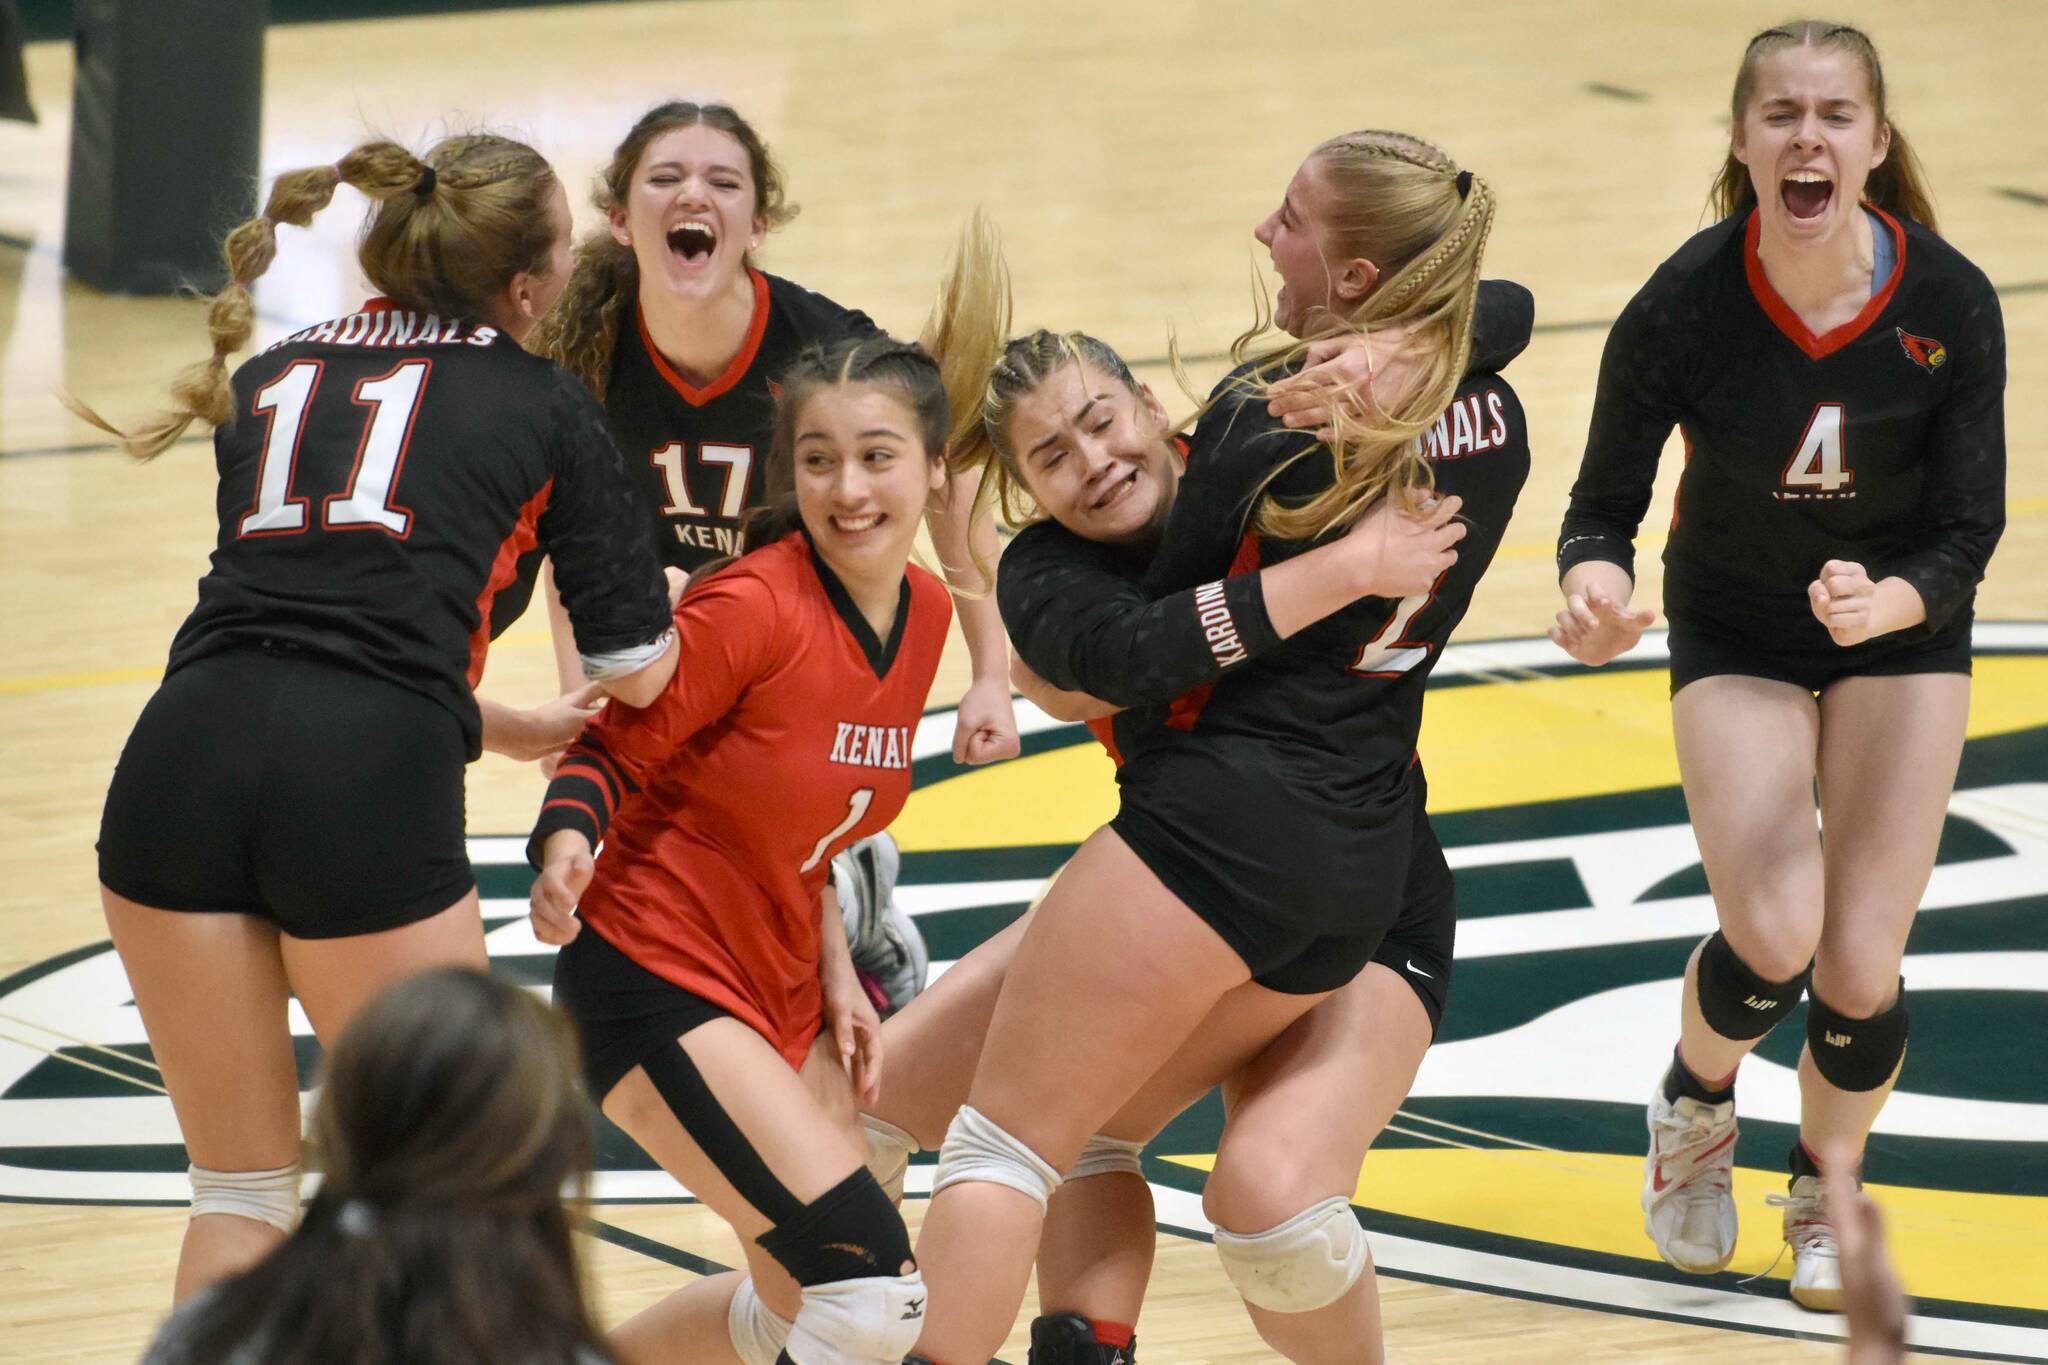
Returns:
(1126,151)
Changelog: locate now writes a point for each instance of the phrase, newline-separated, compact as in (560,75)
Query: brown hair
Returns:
(1898,184)
(446,233)
(1405,205)
(582,329)
(905,367)
(449,1120)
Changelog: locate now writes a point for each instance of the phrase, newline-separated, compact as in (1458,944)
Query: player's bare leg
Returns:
(1746,752)
(1301,1118)
(211,991)
(1888,756)
(336,977)
(805,1129)
(933,1044)
(1124,1012)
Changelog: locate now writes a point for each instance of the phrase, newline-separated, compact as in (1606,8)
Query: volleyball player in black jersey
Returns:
(1837,371)
(1204,917)
(287,817)
(668,321)
(1071,586)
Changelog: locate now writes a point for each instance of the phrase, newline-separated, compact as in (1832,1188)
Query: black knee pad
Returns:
(850,1232)
(1856,1054)
(1069,1339)
(1735,1001)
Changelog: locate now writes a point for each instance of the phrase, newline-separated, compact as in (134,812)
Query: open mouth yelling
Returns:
(1806,195)
(692,242)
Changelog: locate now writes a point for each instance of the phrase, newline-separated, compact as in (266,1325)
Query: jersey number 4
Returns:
(1820,467)
(732,496)
(365,499)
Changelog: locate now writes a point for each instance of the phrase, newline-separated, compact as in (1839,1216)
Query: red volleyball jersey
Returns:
(784,737)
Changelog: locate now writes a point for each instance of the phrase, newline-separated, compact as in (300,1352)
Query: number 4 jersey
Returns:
(1881,442)
(387,483)
(784,736)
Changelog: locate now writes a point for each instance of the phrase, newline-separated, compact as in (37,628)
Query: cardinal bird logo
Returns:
(1925,352)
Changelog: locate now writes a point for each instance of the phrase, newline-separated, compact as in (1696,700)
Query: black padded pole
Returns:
(167,117)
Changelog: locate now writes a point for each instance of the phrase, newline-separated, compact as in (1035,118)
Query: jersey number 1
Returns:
(393,399)
(1821,463)
(856,806)
(1376,660)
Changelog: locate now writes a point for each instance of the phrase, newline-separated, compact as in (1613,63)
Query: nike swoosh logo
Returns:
(1417,970)
(1659,1184)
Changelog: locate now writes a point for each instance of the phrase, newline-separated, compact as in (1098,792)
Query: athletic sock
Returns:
(1115,1335)
(1680,1081)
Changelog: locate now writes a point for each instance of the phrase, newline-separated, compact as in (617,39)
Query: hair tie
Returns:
(1464,183)
(427,179)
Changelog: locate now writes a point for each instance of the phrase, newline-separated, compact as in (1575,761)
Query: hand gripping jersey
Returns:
(1280,784)
(700,455)
(387,483)
(784,737)
(1881,443)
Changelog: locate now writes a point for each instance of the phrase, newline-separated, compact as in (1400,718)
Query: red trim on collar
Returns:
(1788,322)
(735,371)
(380,304)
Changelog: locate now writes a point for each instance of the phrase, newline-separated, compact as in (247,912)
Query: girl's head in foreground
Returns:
(449,1123)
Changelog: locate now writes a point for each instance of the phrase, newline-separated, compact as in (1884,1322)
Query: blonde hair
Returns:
(582,330)
(1403,204)
(1898,184)
(445,234)
(988,374)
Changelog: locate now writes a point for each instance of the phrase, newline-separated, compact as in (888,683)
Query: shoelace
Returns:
(1687,1136)
(1808,1229)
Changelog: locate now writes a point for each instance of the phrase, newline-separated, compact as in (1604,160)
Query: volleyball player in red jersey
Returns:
(287,816)
(670,323)
(697,965)
(1837,370)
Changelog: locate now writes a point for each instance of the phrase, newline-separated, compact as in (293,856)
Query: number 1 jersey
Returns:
(784,736)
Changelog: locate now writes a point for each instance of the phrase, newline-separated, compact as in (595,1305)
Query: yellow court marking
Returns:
(1973,1248)
(1493,744)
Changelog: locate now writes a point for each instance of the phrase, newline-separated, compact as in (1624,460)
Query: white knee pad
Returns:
(758,1332)
(265,1196)
(1306,1263)
(889,1149)
(978,1150)
(1108,1156)
(872,1321)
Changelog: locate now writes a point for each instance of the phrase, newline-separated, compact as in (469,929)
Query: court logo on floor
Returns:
(1516,1163)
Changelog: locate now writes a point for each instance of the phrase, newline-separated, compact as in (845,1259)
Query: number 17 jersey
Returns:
(699,454)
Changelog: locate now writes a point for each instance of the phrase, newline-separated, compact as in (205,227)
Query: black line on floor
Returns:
(1616,92)
(2039,201)
(22,244)
(659,1251)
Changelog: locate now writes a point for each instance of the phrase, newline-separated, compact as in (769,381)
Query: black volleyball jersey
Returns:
(1882,442)
(387,484)
(700,455)
(1166,638)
